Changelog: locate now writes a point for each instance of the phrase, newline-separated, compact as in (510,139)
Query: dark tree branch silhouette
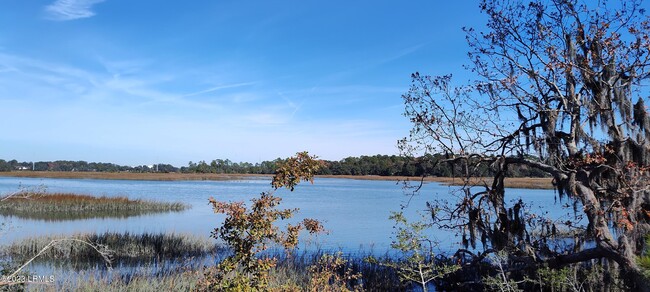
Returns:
(560,89)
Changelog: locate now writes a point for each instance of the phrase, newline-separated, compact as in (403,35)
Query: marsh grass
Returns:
(293,271)
(126,248)
(143,280)
(179,262)
(66,206)
(511,182)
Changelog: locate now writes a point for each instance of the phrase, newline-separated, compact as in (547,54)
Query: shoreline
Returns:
(512,182)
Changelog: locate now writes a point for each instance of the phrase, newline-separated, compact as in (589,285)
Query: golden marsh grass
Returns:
(511,182)
(67,206)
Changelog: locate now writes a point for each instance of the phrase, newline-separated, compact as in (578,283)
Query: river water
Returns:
(355,212)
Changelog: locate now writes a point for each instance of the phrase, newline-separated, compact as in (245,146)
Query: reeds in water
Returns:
(296,271)
(124,248)
(66,206)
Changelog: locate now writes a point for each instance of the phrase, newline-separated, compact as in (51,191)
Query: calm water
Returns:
(354,211)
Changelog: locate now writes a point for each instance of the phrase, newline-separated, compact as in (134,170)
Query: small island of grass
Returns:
(67,206)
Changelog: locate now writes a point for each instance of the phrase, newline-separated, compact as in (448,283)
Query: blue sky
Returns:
(141,81)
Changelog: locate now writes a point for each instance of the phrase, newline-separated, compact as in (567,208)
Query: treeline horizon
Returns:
(381,165)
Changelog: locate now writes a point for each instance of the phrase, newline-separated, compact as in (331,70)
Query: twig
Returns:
(104,254)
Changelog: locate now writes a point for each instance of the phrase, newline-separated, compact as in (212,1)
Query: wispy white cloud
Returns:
(63,10)
(124,67)
(291,104)
(403,53)
(369,64)
(220,87)
(4,69)
(122,112)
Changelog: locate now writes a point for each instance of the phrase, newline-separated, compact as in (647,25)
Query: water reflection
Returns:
(11,215)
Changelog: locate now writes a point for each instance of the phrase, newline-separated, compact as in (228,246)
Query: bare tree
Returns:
(560,89)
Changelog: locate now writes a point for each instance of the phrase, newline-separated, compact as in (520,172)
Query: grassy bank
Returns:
(510,182)
(66,206)
(515,182)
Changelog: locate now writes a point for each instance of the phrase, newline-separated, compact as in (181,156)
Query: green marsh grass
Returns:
(66,206)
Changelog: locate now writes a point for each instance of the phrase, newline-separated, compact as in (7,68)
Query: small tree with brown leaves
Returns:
(249,232)
(290,172)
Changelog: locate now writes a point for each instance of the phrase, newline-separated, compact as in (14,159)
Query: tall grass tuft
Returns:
(66,206)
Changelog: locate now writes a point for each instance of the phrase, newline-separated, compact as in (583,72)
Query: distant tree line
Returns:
(83,166)
(383,165)
(394,165)
(227,166)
